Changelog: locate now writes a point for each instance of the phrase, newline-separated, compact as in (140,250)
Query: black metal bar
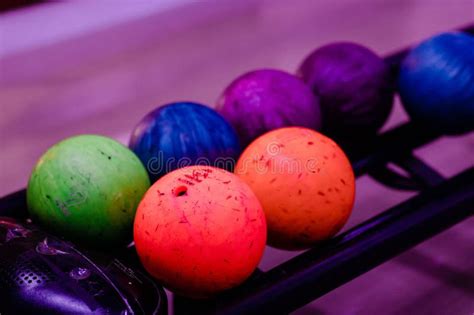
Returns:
(14,205)
(320,270)
(421,175)
(420,171)
(395,180)
(389,146)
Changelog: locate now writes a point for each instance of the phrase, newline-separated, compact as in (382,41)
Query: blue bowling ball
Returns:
(436,83)
(182,134)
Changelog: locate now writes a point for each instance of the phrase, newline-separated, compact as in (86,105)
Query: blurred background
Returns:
(98,67)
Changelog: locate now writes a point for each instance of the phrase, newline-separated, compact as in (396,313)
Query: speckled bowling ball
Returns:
(87,188)
(304,182)
(200,230)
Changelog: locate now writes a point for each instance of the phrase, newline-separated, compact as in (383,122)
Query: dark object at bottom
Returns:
(40,274)
(10,5)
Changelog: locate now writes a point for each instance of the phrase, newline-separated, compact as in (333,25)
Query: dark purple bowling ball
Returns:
(354,86)
(263,100)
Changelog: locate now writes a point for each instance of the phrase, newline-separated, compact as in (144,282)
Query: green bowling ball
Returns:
(87,189)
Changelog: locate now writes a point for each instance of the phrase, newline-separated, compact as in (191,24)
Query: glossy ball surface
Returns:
(354,87)
(263,100)
(436,83)
(200,230)
(304,182)
(87,188)
(183,134)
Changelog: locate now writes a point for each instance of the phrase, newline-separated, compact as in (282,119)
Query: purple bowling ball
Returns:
(263,100)
(355,89)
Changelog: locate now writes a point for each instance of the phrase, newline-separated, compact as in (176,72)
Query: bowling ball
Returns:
(354,87)
(304,182)
(200,230)
(183,134)
(436,83)
(263,100)
(87,188)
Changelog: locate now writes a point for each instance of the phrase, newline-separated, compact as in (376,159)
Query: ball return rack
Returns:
(440,204)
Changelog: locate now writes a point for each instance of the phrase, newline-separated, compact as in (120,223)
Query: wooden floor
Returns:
(103,80)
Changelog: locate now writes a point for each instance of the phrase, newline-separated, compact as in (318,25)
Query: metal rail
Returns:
(322,269)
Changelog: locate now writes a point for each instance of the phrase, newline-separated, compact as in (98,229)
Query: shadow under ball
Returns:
(354,86)
(436,83)
(182,134)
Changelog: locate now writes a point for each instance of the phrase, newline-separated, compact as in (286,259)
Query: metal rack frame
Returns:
(439,205)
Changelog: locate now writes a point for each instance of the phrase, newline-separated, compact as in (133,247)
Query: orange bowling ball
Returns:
(304,182)
(200,230)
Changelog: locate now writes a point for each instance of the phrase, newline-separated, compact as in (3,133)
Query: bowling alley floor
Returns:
(63,74)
